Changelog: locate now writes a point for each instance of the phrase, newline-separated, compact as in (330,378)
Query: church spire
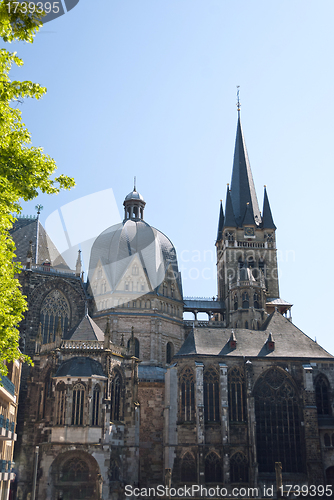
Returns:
(229,214)
(221,222)
(242,185)
(267,218)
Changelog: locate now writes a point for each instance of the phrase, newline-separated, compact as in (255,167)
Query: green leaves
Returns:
(25,170)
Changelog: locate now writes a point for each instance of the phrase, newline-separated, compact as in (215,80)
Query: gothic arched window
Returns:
(261,265)
(116,398)
(256,301)
(213,468)
(322,395)
(75,470)
(136,353)
(327,440)
(277,413)
(245,300)
(78,404)
(236,395)
(188,468)
(169,352)
(114,471)
(211,395)
(251,262)
(235,299)
(60,404)
(239,468)
(54,306)
(96,405)
(240,263)
(187,395)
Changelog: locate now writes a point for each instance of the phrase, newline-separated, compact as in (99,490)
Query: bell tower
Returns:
(246,248)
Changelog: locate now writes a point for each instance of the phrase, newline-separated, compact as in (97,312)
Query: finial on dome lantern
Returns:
(134,184)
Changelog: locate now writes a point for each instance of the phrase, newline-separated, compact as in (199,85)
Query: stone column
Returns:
(224,420)
(313,452)
(199,401)
(251,421)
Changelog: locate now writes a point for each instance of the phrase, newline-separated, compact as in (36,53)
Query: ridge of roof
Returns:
(87,330)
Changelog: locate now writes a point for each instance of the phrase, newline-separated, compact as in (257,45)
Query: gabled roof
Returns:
(290,342)
(267,218)
(229,220)
(87,329)
(242,184)
(220,223)
(26,230)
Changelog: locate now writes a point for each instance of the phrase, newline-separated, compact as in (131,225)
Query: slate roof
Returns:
(151,373)
(24,231)
(290,342)
(242,184)
(87,330)
(80,367)
(115,248)
(220,223)
(267,218)
(229,214)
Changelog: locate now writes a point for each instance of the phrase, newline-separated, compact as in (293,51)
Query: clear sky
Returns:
(147,88)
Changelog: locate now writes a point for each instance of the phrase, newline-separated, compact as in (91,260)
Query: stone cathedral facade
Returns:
(124,392)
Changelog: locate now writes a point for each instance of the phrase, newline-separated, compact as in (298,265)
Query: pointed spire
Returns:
(249,216)
(39,339)
(29,256)
(242,185)
(229,220)
(78,265)
(59,333)
(107,336)
(267,218)
(220,223)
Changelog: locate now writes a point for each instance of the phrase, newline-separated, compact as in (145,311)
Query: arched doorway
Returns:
(75,475)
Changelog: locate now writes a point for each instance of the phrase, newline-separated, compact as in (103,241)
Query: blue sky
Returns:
(148,88)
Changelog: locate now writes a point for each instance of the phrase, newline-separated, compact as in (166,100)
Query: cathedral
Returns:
(125,395)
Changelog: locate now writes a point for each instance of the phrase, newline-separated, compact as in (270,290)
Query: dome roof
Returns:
(134,195)
(116,247)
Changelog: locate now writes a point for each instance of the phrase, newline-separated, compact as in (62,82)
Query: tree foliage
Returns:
(25,171)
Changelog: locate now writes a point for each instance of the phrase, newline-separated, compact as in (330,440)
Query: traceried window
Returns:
(322,395)
(114,471)
(54,306)
(236,395)
(188,468)
(96,405)
(256,301)
(116,398)
(277,413)
(187,395)
(75,470)
(136,354)
(245,300)
(213,468)
(327,440)
(211,395)
(78,404)
(60,403)
(239,468)
(169,352)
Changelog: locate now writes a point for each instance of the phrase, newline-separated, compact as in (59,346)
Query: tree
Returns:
(24,171)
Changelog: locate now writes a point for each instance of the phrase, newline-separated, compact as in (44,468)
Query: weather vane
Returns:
(38,208)
(238,98)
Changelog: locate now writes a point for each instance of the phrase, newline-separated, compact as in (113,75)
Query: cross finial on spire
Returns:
(238,99)
(134,183)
